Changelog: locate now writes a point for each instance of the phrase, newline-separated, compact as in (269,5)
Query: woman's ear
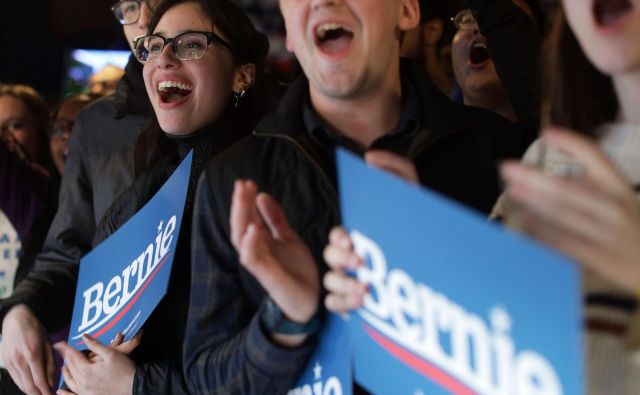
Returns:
(244,77)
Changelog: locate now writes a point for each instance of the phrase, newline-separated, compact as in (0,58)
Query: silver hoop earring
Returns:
(237,96)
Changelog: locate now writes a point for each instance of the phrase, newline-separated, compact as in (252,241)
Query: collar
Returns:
(408,122)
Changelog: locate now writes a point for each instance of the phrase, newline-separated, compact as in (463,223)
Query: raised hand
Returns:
(273,253)
(595,218)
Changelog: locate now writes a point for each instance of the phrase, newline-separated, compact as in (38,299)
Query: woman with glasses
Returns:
(202,70)
(62,121)
(28,189)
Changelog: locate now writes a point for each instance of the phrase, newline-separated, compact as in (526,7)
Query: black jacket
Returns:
(456,149)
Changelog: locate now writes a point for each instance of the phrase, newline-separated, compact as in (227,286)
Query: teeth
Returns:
(479,45)
(322,30)
(164,85)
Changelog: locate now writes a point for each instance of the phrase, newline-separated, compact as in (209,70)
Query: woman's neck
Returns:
(628,91)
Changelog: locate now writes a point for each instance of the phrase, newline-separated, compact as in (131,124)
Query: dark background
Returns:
(36,35)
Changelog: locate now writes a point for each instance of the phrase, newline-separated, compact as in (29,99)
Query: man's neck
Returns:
(363,119)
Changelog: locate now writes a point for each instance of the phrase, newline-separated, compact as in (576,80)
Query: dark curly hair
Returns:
(249,46)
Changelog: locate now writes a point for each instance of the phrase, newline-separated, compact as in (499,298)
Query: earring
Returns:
(237,96)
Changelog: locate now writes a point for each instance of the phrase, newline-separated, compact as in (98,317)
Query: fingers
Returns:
(50,365)
(128,347)
(21,374)
(394,164)
(570,204)
(588,154)
(339,253)
(74,359)
(274,217)
(117,340)
(69,380)
(95,346)
(345,293)
(243,210)
(39,373)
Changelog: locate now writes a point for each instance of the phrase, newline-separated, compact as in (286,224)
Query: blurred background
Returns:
(51,44)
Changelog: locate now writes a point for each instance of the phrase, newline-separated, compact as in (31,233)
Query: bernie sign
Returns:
(124,278)
(456,305)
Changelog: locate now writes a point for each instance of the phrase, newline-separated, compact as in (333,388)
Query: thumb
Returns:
(95,346)
(274,217)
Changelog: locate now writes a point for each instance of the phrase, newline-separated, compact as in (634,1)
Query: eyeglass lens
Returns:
(464,20)
(128,11)
(187,46)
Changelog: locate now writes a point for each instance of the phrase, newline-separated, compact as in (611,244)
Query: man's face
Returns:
(347,47)
(139,28)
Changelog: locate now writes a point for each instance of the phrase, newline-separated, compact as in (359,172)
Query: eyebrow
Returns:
(163,34)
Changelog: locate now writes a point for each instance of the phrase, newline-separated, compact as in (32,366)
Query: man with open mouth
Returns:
(257,258)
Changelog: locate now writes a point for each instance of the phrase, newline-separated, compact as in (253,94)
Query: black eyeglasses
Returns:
(187,46)
(60,128)
(464,20)
(127,12)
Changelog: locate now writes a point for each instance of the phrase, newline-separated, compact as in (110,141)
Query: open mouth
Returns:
(173,91)
(609,12)
(332,38)
(479,54)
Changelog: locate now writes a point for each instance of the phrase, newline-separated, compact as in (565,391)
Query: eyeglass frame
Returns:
(54,131)
(211,37)
(460,15)
(138,2)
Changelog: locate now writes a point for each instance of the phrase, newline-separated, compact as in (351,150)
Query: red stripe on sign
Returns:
(430,371)
(131,303)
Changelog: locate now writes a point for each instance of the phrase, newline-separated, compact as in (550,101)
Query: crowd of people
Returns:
(522,110)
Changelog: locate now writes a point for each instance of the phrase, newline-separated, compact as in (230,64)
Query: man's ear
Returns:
(409,15)
(244,77)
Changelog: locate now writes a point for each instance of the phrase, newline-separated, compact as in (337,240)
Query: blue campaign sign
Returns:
(124,278)
(456,305)
(328,371)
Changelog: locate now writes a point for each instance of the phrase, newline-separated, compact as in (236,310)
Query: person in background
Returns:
(62,120)
(105,81)
(257,257)
(28,189)
(203,63)
(577,188)
(99,167)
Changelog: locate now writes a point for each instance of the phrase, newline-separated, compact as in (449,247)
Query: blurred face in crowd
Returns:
(345,46)
(136,26)
(15,118)
(60,131)
(608,31)
(190,94)
(472,64)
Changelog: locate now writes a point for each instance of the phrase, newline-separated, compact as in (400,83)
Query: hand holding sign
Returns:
(594,219)
(272,252)
(111,373)
(345,293)
(27,352)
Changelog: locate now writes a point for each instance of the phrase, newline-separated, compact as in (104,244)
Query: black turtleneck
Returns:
(205,143)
